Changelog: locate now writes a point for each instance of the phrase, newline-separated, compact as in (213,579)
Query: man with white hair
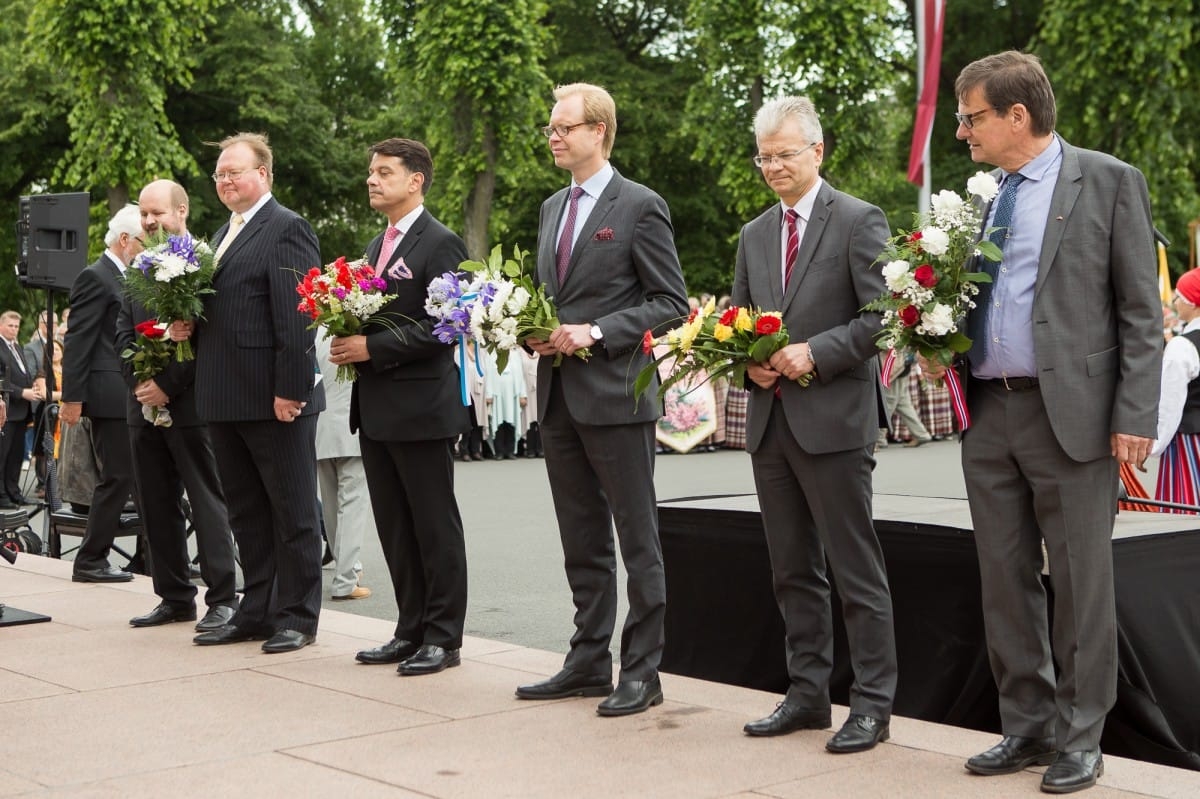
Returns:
(93,387)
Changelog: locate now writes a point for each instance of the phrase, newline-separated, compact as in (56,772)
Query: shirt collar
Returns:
(1036,169)
(247,215)
(804,206)
(113,257)
(404,223)
(596,183)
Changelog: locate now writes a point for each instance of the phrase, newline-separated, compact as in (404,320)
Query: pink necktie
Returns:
(793,246)
(568,235)
(390,237)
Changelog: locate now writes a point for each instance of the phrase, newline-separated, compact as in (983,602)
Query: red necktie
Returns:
(568,234)
(793,246)
(389,246)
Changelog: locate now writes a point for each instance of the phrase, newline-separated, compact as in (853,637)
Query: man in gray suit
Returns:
(812,256)
(1064,382)
(606,254)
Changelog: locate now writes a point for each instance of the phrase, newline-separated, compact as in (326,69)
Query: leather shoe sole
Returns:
(566,684)
(164,614)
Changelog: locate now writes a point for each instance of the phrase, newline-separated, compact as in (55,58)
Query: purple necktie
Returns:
(793,246)
(568,235)
(390,236)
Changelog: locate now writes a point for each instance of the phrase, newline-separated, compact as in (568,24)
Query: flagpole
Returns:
(924,193)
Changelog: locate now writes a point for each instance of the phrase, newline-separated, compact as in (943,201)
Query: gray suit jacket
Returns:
(625,279)
(835,276)
(1097,334)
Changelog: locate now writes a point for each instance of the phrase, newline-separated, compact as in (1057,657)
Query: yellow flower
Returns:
(743,322)
(709,307)
(688,334)
(722,332)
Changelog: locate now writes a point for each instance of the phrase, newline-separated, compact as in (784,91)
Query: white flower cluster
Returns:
(168,266)
(495,320)
(364,305)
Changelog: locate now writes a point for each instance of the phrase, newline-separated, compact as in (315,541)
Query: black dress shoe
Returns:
(165,614)
(217,616)
(632,696)
(1012,754)
(227,634)
(1073,771)
(567,683)
(393,651)
(429,659)
(105,574)
(789,717)
(287,641)
(858,734)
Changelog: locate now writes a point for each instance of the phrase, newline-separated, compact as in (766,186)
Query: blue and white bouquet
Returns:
(171,278)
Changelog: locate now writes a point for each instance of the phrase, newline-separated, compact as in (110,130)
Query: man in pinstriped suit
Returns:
(256,386)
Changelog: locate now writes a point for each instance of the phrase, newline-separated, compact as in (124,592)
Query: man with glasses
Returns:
(256,388)
(606,254)
(93,387)
(813,257)
(1064,385)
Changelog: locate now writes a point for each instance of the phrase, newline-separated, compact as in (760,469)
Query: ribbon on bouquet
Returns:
(464,394)
(958,398)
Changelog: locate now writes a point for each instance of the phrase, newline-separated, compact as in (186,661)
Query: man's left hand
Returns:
(793,361)
(1131,449)
(351,349)
(568,338)
(287,410)
(148,393)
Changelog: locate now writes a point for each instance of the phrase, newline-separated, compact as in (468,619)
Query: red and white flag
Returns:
(929,55)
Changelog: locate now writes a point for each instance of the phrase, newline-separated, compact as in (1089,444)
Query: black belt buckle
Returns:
(1019,383)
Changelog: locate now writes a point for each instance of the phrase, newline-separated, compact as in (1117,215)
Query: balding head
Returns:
(163,204)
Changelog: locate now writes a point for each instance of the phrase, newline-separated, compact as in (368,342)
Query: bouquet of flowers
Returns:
(343,296)
(929,286)
(500,306)
(711,346)
(170,278)
(149,355)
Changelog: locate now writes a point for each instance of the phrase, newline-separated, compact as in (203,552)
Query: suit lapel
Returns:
(248,232)
(600,211)
(1062,202)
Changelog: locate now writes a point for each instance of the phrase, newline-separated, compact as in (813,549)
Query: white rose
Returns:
(946,204)
(935,241)
(939,321)
(896,275)
(983,186)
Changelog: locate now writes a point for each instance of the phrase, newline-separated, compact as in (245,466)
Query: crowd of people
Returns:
(1062,386)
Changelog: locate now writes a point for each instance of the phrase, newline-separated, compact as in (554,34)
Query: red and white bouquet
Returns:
(148,354)
(342,297)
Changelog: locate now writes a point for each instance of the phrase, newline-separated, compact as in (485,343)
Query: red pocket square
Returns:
(604,234)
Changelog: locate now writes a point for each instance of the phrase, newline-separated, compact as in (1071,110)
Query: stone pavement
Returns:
(94,708)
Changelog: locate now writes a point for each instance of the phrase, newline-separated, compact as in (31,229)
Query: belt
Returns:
(1011,383)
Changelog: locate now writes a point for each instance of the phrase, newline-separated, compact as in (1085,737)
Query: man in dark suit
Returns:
(35,358)
(1064,383)
(812,256)
(406,407)
(93,387)
(606,254)
(19,380)
(256,388)
(168,458)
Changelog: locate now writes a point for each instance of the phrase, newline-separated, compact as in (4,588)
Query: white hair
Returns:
(127,220)
(772,115)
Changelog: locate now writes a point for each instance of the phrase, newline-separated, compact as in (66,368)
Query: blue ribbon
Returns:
(462,359)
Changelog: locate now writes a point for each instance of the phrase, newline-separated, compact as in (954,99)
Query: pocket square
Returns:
(399,270)
(604,234)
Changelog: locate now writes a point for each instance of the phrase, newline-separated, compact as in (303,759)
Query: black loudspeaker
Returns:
(52,239)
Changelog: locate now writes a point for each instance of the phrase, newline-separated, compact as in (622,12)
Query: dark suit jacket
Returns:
(252,344)
(1097,334)
(834,277)
(176,380)
(91,363)
(15,380)
(408,390)
(627,284)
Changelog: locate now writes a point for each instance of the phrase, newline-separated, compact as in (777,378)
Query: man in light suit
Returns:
(812,447)
(93,387)
(1064,383)
(606,254)
(24,391)
(256,387)
(168,459)
(407,410)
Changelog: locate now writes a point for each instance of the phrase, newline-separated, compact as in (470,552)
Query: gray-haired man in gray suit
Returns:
(1064,383)
(812,447)
(606,253)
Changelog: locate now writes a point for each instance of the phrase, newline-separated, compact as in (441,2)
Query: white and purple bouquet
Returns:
(171,278)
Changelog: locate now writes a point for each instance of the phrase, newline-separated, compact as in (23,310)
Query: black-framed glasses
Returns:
(562,130)
(233,174)
(968,120)
(770,160)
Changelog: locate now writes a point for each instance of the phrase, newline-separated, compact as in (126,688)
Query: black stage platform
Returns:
(722,622)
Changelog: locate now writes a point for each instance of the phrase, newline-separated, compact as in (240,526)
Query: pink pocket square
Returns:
(399,270)
(604,234)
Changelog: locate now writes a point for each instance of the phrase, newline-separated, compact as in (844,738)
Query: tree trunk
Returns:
(477,207)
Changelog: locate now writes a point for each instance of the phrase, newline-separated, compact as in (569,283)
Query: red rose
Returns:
(730,316)
(915,236)
(924,276)
(766,325)
(150,329)
(910,315)
(692,316)
(647,342)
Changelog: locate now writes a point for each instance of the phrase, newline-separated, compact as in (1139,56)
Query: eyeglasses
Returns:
(562,130)
(233,174)
(968,120)
(770,160)
(1182,299)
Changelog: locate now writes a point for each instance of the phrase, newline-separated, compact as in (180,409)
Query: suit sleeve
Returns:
(124,339)
(296,252)
(87,305)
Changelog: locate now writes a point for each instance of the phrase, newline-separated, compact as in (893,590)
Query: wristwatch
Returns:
(596,334)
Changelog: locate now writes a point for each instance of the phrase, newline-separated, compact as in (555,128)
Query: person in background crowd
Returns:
(1178,443)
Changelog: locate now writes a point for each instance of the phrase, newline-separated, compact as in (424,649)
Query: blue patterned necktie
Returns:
(1001,222)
